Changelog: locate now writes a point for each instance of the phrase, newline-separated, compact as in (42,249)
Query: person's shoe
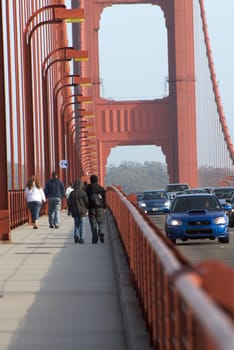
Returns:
(81,241)
(51,226)
(76,239)
(101,237)
(94,241)
(56,226)
(35,227)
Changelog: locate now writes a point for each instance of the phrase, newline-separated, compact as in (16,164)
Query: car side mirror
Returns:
(227,206)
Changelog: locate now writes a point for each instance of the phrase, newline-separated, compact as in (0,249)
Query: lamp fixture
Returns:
(70,15)
(84,99)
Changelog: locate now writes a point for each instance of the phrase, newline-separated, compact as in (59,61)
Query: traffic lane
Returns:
(199,250)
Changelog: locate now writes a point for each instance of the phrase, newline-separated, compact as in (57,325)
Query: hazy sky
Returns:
(131,49)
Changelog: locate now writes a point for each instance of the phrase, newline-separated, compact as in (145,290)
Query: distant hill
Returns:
(137,177)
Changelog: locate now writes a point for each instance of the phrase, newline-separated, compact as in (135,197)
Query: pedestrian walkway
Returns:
(55,294)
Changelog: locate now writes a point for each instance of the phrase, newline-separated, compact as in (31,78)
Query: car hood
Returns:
(197,215)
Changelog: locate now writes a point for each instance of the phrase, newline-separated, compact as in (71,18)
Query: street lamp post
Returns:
(75,81)
(78,100)
(84,139)
(61,54)
(54,14)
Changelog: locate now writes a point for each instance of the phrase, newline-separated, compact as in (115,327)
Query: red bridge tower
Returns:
(168,122)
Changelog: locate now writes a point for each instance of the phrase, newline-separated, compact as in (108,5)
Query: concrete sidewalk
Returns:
(55,294)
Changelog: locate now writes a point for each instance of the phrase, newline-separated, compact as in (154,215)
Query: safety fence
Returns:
(19,213)
(185,306)
(18,208)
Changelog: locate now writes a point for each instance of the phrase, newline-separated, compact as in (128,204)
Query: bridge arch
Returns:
(133,61)
(135,154)
(168,122)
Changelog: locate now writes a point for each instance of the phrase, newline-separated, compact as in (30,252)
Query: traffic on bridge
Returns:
(55,121)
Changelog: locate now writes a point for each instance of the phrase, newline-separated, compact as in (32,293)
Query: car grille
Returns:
(199,227)
(198,222)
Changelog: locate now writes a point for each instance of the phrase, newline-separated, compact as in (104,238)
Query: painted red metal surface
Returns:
(32,129)
(175,296)
(4,204)
(170,122)
(215,84)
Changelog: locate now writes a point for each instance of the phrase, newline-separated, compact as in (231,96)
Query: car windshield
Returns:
(194,191)
(183,204)
(139,196)
(154,195)
(176,188)
(223,193)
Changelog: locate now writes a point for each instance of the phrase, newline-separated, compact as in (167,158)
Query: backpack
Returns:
(96,200)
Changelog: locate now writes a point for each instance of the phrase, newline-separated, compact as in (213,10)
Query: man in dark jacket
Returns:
(54,191)
(78,204)
(97,204)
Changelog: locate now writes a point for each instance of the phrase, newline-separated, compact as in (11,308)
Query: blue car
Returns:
(154,202)
(197,216)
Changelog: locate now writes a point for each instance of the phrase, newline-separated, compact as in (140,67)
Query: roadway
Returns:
(198,251)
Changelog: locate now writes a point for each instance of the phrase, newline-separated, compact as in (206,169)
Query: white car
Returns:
(176,188)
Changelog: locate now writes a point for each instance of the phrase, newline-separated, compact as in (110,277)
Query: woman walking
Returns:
(34,195)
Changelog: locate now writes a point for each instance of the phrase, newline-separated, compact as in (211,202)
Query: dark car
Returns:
(223,193)
(207,189)
(154,202)
(197,216)
(139,196)
(195,190)
(231,212)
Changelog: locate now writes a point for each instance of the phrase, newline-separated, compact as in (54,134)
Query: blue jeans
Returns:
(54,207)
(97,222)
(78,227)
(34,208)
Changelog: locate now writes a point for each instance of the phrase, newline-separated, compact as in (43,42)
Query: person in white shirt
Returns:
(68,191)
(34,196)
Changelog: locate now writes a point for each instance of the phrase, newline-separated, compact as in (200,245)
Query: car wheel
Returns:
(223,240)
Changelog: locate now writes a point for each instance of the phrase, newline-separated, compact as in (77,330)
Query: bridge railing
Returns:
(19,213)
(180,307)
(18,208)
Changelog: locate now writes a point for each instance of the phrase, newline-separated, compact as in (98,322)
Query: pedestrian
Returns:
(97,205)
(69,189)
(54,191)
(34,196)
(78,204)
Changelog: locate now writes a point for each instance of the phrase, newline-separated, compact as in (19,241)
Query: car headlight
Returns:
(167,203)
(220,220)
(176,222)
(142,204)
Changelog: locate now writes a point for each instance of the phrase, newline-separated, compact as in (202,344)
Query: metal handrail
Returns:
(178,311)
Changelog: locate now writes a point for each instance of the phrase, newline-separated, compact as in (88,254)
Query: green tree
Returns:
(137,177)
